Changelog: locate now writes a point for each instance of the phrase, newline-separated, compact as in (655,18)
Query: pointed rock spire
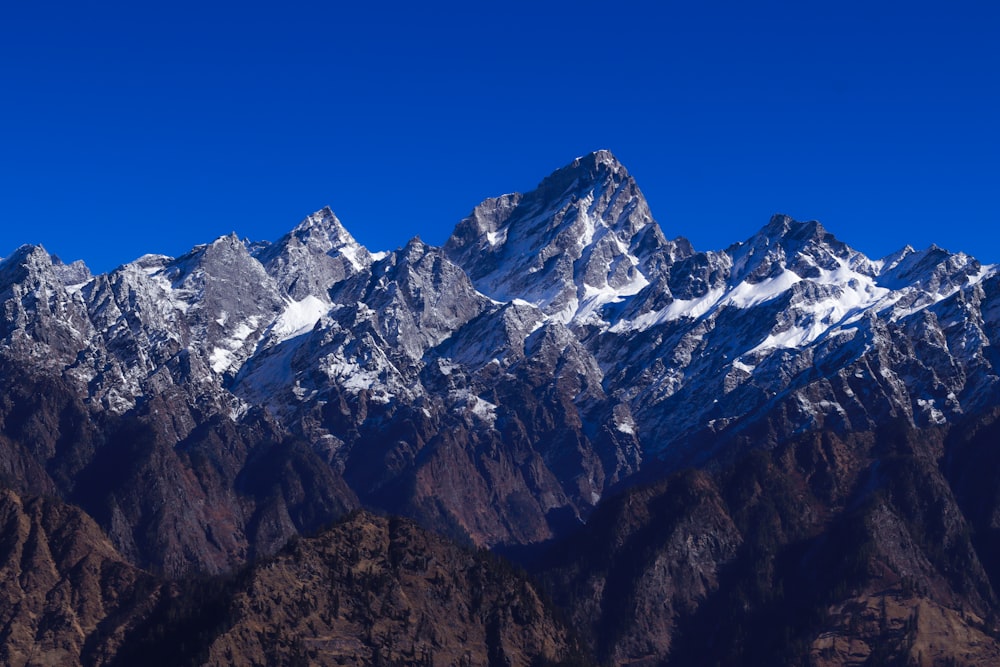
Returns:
(322,232)
(315,256)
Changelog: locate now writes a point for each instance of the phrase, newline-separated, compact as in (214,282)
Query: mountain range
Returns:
(776,453)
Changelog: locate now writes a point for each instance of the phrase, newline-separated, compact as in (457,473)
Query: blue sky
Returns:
(138,127)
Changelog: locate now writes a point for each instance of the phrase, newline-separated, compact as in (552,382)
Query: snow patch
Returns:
(747,295)
(350,253)
(220,359)
(496,238)
(595,298)
(792,337)
(934,415)
(466,401)
(299,317)
(223,356)
(679,308)
(77,287)
(244,330)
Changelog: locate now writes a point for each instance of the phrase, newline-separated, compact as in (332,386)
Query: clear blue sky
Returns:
(132,127)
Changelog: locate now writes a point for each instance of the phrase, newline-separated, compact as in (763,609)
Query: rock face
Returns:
(557,349)
(175,489)
(66,591)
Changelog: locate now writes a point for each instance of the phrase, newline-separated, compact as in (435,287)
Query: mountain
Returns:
(514,386)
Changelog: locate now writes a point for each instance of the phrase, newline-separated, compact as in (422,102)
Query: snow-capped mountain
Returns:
(496,387)
(583,239)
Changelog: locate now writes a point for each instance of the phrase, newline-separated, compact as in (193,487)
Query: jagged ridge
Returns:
(549,351)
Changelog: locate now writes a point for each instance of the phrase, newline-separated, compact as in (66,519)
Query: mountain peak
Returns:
(804,247)
(230,240)
(781,222)
(892,260)
(414,250)
(791,234)
(27,252)
(314,256)
(597,170)
(783,226)
(74,273)
(322,220)
(599,158)
(605,155)
(582,238)
(321,231)
(933,267)
(26,260)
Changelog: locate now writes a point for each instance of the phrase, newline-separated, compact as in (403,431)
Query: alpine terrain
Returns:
(306,452)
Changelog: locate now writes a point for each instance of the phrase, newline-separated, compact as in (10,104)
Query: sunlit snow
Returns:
(299,317)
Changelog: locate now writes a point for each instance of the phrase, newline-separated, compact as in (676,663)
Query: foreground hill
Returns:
(367,591)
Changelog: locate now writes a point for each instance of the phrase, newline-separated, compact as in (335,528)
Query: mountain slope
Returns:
(367,591)
(823,551)
(65,592)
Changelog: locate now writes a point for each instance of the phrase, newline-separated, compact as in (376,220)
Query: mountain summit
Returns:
(315,255)
(583,238)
